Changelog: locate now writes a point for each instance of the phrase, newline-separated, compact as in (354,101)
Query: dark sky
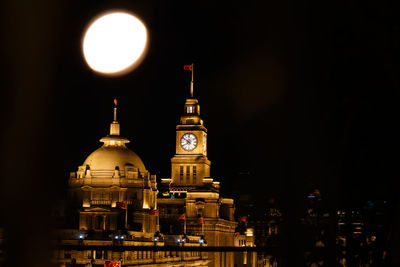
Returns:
(296,95)
(300,95)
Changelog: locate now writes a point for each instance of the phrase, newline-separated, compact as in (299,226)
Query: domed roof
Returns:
(113,155)
(108,157)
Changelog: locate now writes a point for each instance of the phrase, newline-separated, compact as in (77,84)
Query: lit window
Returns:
(190,109)
(187,174)
(194,174)
(181,174)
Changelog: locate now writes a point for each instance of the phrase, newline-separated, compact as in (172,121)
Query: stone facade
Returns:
(192,192)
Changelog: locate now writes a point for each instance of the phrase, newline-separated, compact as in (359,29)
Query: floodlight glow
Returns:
(114,43)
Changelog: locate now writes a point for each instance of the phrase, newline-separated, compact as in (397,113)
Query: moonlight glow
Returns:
(114,43)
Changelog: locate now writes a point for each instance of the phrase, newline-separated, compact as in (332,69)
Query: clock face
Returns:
(188,141)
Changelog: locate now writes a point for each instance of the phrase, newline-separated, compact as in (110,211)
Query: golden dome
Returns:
(113,155)
(110,157)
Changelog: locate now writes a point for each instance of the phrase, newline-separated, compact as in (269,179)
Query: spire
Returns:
(114,126)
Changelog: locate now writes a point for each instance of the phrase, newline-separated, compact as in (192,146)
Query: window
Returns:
(181,174)
(67,254)
(89,222)
(190,109)
(98,222)
(194,174)
(200,212)
(98,254)
(187,174)
(137,226)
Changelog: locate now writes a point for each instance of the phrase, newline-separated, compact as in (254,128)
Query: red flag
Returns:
(182,217)
(188,67)
(236,234)
(154,212)
(200,219)
(121,205)
(242,219)
(112,264)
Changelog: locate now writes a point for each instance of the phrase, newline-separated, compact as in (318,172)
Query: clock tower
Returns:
(191,194)
(190,165)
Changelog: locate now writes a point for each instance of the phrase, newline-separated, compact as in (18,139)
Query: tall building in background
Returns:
(315,228)
(363,235)
(190,202)
(263,216)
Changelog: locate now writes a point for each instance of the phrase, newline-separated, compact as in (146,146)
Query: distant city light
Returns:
(114,43)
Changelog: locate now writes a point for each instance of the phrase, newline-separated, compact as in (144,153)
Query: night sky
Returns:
(296,95)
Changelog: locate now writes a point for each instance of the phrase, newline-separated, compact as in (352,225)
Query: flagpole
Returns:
(115,110)
(158,223)
(184,225)
(191,84)
(126,216)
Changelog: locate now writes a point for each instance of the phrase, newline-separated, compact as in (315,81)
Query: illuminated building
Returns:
(245,239)
(315,230)
(191,191)
(118,203)
(115,198)
(263,216)
(362,235)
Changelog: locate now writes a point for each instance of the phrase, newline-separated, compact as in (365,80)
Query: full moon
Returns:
(114,43)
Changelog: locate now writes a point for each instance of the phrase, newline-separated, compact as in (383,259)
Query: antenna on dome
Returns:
(114,127)
(115,109)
